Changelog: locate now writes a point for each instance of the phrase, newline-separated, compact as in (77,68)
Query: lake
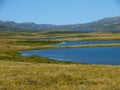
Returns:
(70,43)
(96,55)
(40,38)
(89,31)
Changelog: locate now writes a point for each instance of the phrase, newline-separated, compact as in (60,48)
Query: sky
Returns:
(58,12)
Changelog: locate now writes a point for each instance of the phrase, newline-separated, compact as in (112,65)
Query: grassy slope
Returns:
(34,73)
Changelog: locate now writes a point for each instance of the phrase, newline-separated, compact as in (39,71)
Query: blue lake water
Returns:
(98,55)
(70,43)
(40,38)
(114,31)
(88,31)
(83,31)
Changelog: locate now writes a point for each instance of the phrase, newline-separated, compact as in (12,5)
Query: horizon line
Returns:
(55,24)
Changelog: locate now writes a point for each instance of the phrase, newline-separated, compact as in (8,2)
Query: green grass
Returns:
(33,43)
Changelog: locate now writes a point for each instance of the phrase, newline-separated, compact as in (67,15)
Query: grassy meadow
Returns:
(37,73)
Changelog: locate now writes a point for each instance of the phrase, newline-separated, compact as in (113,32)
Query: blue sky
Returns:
(58,11)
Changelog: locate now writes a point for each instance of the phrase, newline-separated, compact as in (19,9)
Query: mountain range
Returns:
(111,23)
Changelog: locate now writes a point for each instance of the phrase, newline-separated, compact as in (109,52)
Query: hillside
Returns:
(112,23)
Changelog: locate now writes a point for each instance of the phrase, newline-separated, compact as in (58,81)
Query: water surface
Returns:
(70,43)
(41,39)
(98,55)
(89,31)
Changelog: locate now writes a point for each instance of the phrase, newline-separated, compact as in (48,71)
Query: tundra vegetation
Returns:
(38,73)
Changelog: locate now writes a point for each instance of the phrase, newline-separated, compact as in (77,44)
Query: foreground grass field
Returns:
(29,76)
(37,73)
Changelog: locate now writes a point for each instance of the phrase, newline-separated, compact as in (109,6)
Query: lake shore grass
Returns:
(37,73)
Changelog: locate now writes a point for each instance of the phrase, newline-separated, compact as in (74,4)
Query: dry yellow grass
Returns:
(29,76)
